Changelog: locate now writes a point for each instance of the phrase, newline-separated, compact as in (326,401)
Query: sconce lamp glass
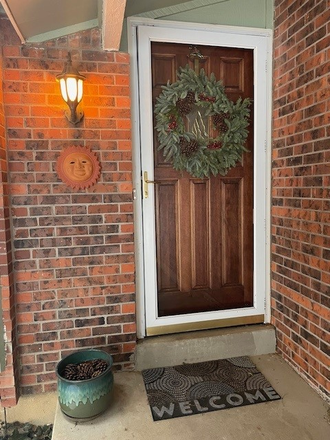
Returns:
(71,84)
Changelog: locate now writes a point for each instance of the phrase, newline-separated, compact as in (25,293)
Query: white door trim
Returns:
(260,41)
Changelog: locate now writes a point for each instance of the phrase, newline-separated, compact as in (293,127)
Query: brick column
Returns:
(301,188)
(73,250)
(8,377)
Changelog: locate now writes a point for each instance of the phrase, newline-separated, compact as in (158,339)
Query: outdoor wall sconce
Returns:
(71,83)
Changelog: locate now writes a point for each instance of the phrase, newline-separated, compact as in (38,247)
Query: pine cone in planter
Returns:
(99,367)
(71,372)
(85,370)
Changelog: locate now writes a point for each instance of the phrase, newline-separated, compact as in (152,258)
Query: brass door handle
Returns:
(145,184)
(153,181)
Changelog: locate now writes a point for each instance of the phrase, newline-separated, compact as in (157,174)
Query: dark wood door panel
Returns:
(204,226)
(200,234)
(231,231)
(166,222)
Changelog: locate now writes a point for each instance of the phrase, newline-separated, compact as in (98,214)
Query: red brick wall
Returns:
(73,250)
(8,378)
(301,187)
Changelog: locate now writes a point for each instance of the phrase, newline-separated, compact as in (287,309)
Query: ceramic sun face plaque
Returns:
(78,167)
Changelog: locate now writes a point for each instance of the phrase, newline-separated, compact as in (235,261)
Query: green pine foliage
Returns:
(229,144)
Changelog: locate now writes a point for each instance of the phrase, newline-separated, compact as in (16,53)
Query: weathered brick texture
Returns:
(9,376)
(72,250)
(67,272)
(301,187)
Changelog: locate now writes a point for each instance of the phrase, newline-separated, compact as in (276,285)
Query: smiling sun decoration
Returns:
(78,167)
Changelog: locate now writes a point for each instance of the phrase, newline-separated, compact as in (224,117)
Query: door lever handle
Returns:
(145,184)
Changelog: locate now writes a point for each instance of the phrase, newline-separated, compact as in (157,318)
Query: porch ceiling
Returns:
(42,20)
(34,19)
(163,8)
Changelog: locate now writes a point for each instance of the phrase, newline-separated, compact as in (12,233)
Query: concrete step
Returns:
(170,350)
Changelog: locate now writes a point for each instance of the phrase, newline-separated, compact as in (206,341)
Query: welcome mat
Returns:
(206,386)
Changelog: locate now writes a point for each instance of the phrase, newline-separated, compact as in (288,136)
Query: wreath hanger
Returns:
(196,57)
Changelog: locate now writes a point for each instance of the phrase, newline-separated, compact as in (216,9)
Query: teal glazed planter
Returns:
(82,400)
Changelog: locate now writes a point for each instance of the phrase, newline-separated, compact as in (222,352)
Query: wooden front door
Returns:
(204,227)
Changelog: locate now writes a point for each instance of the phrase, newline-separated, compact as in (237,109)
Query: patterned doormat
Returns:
(206,386)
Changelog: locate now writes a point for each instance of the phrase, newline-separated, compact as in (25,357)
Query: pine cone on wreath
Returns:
(185,105)
(190,97)
(219,121)
(223,128)
(190,148)
(183,142)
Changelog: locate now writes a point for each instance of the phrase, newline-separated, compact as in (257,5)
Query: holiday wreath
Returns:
(192,101)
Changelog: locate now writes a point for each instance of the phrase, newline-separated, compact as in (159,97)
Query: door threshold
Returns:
(205,325)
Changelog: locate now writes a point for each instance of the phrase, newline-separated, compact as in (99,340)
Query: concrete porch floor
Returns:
(300,415)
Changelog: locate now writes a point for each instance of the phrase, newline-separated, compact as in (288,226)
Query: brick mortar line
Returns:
(300,336)
(299,304)
(321,271)
(304,275)
(310,356)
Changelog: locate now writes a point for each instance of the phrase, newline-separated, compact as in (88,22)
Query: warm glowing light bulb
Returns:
(71,86)
(63,90)
(80,89)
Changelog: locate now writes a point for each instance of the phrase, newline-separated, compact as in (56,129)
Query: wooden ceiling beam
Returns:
(112,23)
